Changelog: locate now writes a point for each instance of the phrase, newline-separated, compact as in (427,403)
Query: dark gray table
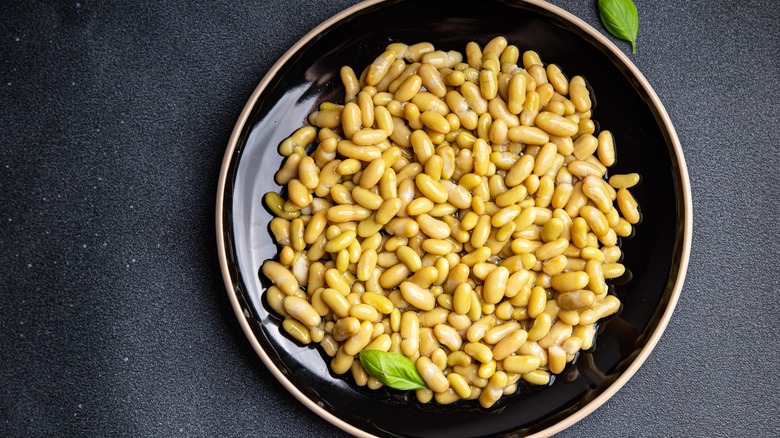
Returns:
(114,116)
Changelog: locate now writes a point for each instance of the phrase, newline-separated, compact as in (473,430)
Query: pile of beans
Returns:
(455,211)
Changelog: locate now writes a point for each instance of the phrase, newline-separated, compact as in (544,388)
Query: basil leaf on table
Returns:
(392,369)
(621,19)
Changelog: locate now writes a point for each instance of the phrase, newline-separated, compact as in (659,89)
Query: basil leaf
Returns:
(392,369)
(621,19)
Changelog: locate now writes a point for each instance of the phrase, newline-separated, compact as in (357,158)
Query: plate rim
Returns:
(687,217)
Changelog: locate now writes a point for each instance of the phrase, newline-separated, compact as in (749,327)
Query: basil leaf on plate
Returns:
(392,369)
(621,19)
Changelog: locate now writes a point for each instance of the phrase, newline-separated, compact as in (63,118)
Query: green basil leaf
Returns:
(621,19)
(392,369)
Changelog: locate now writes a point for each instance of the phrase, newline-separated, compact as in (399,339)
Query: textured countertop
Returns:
(114,117)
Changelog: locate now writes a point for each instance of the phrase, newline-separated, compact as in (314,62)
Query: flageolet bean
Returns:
(379,68)
(495,285)
(584,146)
(297,330)
(606,148)
(537,377)
(559,332)
(417,296)
(301,310)
(551,249)
(556,361)
(478,351)
(594,189)
(540,327)
(628,206)
(579,94)
(281,277)
(537,301)
(624,181)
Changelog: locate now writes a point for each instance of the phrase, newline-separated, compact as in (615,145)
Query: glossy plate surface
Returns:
(656,257)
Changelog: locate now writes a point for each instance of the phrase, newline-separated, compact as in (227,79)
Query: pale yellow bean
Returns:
(606,148)
(301,138)
(516,93)
(613,270)
(481,352)
(495,334)
(521,364)
(281,277)
(509,344)
(569,281)
(596,281)
(302,310)
(537,301)
(336,301)
(495,285)
(528,135)
(556,361)
(448,336)
(358,341)
(379,68)
(345,328)
(628,206)
(432,375)
(410,333)
(481,232)
(559,332)
(297,330)
(410,258)
(576,299)
(624,181)
(555,124)
(581,169)
(433,227)
(595,220)
(417,296)
(493,390)
(579,94)
(596,191)
(540,327)
(584,146)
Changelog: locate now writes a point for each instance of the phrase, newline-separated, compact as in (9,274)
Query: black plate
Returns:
(646,143)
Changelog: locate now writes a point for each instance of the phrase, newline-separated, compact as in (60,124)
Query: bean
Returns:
(500,168)
(410,258)
(528,135)
(540,327)
(301,310)
(495,285)
(281,277)
(628,206)
(576,299)
(297,330)
(417,296)
(579,94)
(448,336)
(478,351)
(520,171)
(624,181)
(537,301)
(559,332)
(555,124)
(358,341)
(494,390)
(595,220)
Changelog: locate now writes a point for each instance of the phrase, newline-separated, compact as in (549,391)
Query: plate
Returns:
(656,257)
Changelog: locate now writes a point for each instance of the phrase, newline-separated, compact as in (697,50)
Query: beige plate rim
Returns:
(592,405)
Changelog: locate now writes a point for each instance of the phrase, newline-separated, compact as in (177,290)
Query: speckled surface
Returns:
(114,320)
